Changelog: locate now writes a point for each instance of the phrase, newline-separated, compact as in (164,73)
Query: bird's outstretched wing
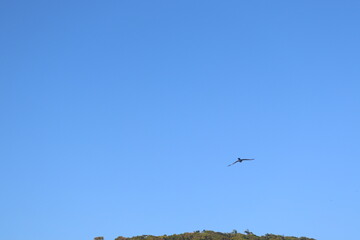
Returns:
(248,159)
(233,163)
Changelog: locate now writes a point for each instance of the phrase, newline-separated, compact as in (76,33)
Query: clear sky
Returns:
(120,118)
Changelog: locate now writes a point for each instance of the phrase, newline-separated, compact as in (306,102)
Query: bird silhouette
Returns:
(240,160)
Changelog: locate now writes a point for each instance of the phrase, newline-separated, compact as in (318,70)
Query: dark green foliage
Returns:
(211,235)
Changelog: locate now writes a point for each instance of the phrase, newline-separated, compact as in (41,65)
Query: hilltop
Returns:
(211,235)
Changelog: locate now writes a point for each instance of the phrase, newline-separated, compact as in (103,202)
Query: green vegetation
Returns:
(211,235)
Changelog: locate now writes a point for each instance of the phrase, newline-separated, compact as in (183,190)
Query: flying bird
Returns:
(240,160)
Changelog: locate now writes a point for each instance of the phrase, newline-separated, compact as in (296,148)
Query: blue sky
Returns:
(120,118)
